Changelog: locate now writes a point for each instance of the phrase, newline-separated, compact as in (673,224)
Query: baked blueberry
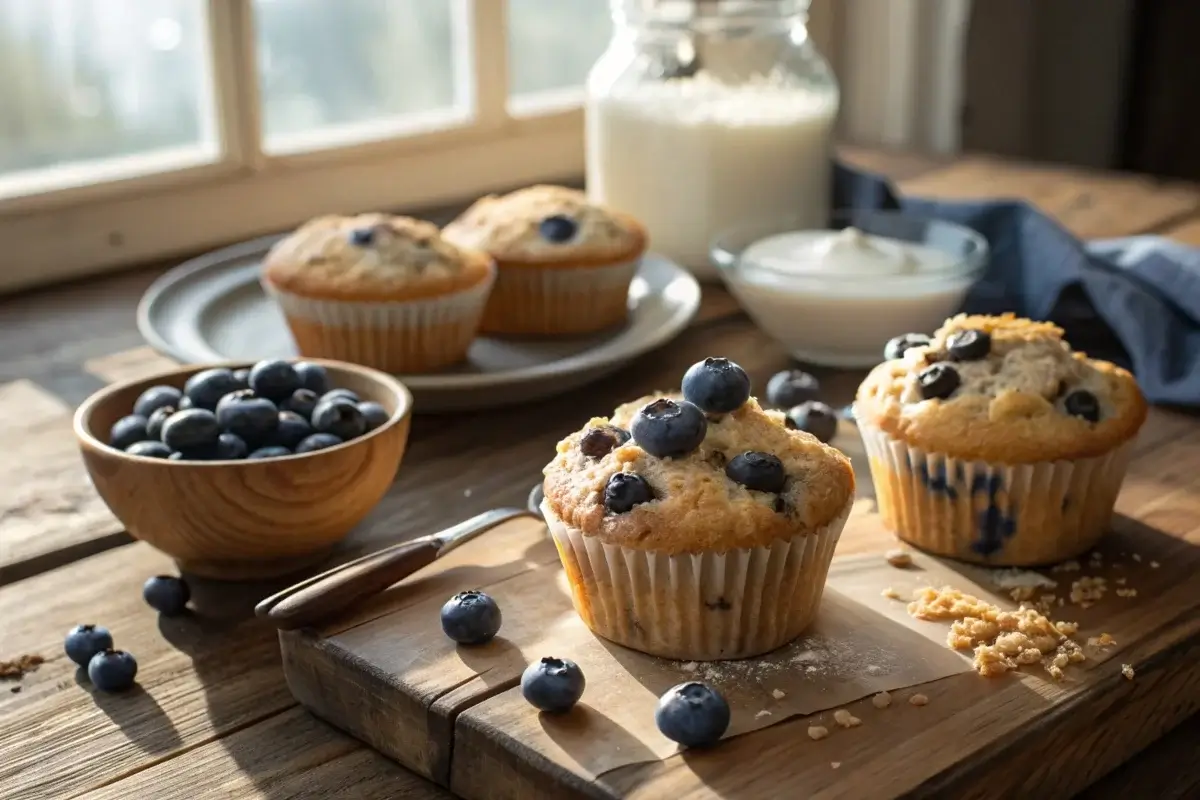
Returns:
(665,428)
(969,345)
(791,388)
(600,441)
(274,380)
(625,490)
(362,237)
(553,685)
(230,447)
(1083,404)
(339,417)
(375,414)
(471,617)
(205,389)
(154,422)
(148,449)
(291,430)
(761,472)
(692,714)
(895,348)
(716,385)
(312,376)
(247,415)
(128,430)
(814,417)
(318,441)
(938,381)
(558,229)
(270,451)
(84,641)
(166,594)
(194,429)
(302,402)
(112,670)
(156,397)
(242,376)
(333,394)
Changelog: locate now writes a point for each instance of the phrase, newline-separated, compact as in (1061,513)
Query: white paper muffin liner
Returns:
(702,606)
(532,300)
(1012,515)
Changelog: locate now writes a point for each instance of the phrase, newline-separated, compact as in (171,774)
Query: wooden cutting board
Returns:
(388,675)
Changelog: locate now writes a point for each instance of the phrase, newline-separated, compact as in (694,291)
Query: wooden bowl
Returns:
(242,520)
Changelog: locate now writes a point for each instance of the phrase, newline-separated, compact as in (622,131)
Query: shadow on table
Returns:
(135,710)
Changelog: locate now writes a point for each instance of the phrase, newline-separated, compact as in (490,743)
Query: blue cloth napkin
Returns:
(1133,301)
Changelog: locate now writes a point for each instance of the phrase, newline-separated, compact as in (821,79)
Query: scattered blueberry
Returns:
(149,449)
(970,345)
(167,594)
(336,393)
(761,472)
(625,490)
(156,397)
(558,229)
(291,430)
(471,617)
(274,380)
(816,418)
(716,385)
(599,442)
(374,414)
(112,670)
(937,382)
(1082,403)
(339,417)
(84,641)
(318,441)
(205,389)
(242,376)
(362,237)
(194,429)
(273,451)
(553,685)
(666,428)
(692,714)
(791,388)
(230,447)
(896,347)
(302,402)
(313,377)
(155,422)
(248,415)
(128,430)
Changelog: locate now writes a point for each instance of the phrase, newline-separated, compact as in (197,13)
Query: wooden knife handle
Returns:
(331,592)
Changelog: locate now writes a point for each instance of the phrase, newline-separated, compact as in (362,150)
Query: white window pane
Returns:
(86,83)
(553,43)
(327,66)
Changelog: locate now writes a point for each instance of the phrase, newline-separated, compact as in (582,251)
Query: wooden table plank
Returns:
(1187,231)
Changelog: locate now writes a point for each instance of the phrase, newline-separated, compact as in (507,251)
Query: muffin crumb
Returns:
(891,594)
(881,700)
(845,719)
(899,558)
(1127,671)
(778,694)
(761,714)
(1154,565)
(1127,592)
(918,700)
(1103,640)
(835,764)
(817,732)
(16,668)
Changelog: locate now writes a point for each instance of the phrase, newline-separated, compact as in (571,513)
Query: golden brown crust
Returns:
(696,506)
(1009,406)
(507,227)
(404,259)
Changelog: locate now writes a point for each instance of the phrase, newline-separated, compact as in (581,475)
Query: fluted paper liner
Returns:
(698,607)
(547,300)
(1012,515)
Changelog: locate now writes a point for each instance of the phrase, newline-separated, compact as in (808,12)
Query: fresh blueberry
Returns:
(969,345)
(318,441)
(155,422)
(333,394)
(895,348)
(242,376)
(112,670)
(692,714)
(302,402)
(185,403)
(471,617)
(339,417)
(230,447)
(313,377)
(374,414)
(194,429)
(205,389)
(761,472)
(177,456)
(625,490)
(600,441)
(274,380)
(791,388)
(291,430)
(247,415)
(128,430)
(1082,403)
(558,229)
(149,449)
(814,417)
(273,451)
(166,594)
(553,685)
(156,397)
(362,237)
(84,641)
(716,385)
(938,381)
(665,428)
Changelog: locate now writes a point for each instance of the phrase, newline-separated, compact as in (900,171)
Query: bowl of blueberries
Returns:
(246,471)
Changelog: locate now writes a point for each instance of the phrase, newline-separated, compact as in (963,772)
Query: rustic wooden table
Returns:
(212,716)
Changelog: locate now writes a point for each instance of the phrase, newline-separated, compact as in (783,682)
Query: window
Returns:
(133,130)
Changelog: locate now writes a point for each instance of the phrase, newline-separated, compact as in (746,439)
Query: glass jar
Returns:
(703,115)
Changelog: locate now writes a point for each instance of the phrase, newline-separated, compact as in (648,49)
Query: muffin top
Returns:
(662,475)
(1000,389)
(373,257)
(548,225)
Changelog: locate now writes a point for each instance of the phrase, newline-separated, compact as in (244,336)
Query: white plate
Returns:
(213,309)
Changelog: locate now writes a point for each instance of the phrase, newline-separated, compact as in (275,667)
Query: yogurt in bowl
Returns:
(835,297)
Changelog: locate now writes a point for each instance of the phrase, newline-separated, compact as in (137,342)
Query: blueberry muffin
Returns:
(565,264)
(993,442)
(383,291)
(698,528)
